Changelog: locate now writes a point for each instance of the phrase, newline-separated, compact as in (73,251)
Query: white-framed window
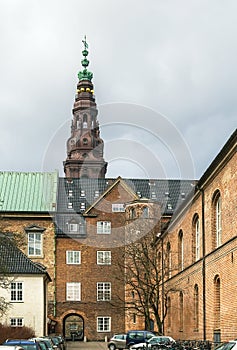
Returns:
(70,193)
(73,291)
(17,322)
(69,205)
(118,207)
(73,227)
(104,257)
(103,291)
(197,231)
(73,257)
(83,206)
(104,227)
(218,222)
(35,243)
(16,291)
(103,324)
(83,193)
(153,195)
(97,193)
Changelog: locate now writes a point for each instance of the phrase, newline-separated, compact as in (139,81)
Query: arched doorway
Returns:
(73,327)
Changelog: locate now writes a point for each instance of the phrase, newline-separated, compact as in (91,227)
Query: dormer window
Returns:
(85,141)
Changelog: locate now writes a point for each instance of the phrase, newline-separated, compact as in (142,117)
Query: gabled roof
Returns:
(83,193)
(28,191)
(119,180)
(14,261)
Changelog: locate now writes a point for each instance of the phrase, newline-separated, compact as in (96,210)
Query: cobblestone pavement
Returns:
(90,345)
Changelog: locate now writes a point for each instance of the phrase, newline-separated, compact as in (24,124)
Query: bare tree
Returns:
(143,279)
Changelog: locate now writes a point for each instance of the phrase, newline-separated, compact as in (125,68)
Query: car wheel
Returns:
(112,347)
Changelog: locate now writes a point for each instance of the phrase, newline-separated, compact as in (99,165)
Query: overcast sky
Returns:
(164,78)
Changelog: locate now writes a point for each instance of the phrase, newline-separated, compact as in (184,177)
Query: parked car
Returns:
(58,341)
(10,347)
(230,345)
(154,343)
(50,345)
(118,341)
(25,344)
(135,337)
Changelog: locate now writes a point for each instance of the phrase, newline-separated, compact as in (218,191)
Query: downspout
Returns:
(54,298)
(162,281)
(203,262)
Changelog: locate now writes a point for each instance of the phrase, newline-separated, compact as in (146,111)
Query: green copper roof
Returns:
(85,74)
(23,191)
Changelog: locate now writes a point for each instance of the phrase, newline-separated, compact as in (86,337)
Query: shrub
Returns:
(7,332)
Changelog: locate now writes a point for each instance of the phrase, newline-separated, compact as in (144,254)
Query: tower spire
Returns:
(85,148)
(85,74)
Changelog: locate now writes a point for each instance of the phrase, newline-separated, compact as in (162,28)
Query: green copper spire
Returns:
(85,74)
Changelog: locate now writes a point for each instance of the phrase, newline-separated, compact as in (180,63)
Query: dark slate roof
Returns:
(77,195)
(14,261)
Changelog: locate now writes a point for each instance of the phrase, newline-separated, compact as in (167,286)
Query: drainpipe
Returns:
(162,281)
(203,262)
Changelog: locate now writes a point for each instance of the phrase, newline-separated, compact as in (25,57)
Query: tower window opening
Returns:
(84,120)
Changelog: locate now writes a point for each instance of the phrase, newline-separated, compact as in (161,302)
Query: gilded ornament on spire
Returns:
(85,74)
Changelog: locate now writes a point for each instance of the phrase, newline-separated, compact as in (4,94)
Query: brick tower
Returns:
(85,148)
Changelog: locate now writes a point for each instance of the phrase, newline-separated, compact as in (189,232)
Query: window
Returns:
(104,257)
(145,212)
(82,193)
(103,291)
(169,312)
(97,193)
(73,257)
(103,324)
(73,227)
(181,311)
(134,318)
(69,205)
(17,291)
(118,207)
(84,121)
(70,193)
(218,222)
(180,251)
(197,234)
(169,268)
(153,195)
(17,322)
(83,206)
(132,213)
(196,308)
(35,243)
(104,227)
(217,302)
(73,291)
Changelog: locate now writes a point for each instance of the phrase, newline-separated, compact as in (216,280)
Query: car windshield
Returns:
(225,346)
(159,340)
(29,346)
